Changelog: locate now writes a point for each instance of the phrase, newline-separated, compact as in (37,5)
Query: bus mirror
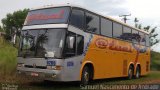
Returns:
(71,41)
(61,43)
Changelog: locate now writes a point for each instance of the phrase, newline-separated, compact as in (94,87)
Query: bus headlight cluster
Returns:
(54,67)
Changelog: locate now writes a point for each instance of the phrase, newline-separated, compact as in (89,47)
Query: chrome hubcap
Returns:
(130,73)
(137,74)
(86,76)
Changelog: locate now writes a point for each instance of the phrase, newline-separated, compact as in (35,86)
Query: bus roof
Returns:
(78,6)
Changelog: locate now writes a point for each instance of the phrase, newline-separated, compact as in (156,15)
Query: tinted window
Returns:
(117,30)
(127,35)
(41,42)
(92,23)
(70,48)
(74,44)
(106,27)
(135,36)
(77,18)
(147,40)
(80,44)
(142,38)
(48,16)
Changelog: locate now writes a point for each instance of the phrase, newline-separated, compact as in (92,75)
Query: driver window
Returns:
(74,44)
(70,49)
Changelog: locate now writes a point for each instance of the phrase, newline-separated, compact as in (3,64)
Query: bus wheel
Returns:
(130,72)
(85,76)
(137,72)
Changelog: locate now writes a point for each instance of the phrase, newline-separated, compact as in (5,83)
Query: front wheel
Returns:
(85,76)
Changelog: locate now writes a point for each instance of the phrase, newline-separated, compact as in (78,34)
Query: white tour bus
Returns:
(70,43)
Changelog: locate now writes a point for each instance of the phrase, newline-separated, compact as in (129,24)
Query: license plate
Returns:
(34,74)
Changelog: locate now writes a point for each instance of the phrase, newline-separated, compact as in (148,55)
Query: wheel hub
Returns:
(86,76)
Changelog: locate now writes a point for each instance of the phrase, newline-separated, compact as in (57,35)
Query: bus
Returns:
(71,43)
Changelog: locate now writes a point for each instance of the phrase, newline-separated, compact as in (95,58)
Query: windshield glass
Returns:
(42,43)
(48,16)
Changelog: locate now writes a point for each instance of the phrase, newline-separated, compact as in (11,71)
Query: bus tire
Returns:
(130,72)
(85,76)
(138,72)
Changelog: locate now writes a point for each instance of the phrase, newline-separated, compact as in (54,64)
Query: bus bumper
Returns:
(40,74)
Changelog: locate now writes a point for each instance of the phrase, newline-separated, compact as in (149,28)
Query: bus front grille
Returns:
(40,67)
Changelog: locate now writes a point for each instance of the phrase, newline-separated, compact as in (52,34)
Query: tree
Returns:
(153,34)
(13,23)
(1,29)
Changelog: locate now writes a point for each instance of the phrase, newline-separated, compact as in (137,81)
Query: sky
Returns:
(147,11)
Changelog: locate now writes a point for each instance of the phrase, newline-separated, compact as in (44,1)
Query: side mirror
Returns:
(61,44)
(71,41)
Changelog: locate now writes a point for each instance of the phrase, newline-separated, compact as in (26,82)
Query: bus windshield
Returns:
(48,16)
(42,43)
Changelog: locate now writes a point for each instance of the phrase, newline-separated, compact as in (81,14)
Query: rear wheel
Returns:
(85,76)
(137,72)
(130,72)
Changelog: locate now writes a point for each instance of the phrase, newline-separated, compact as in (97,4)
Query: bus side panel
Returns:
(107,63)
(112,57)
(144,60)
(73,65)
(71,68)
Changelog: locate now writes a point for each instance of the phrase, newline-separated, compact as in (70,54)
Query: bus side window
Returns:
(70,48)
(92,23)
(127,35)
(143,39)
(135,36)
(80,44)
(147,40)
(77,18)
(74,45)
(106,27)
(117,30)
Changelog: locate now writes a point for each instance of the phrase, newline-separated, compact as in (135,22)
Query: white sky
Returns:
(147,11)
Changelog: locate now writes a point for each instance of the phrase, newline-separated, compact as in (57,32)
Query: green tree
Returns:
(13,22)
(153,34)
(1,29)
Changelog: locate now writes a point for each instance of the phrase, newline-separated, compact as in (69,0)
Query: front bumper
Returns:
(43,74)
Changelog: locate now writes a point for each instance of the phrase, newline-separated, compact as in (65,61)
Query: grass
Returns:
(155,61)
(151,78)
(8,62)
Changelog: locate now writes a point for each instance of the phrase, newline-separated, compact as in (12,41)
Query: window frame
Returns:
(124,30)
(69,22)
(85,29)
(144,37)
(111,26)
(137,42)
(113,21)
(77,44)
(113,30)
(64,49)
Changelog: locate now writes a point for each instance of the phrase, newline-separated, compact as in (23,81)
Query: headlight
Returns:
(54,67)
(20,65)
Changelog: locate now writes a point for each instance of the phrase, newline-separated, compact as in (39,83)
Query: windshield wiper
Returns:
(42,38)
